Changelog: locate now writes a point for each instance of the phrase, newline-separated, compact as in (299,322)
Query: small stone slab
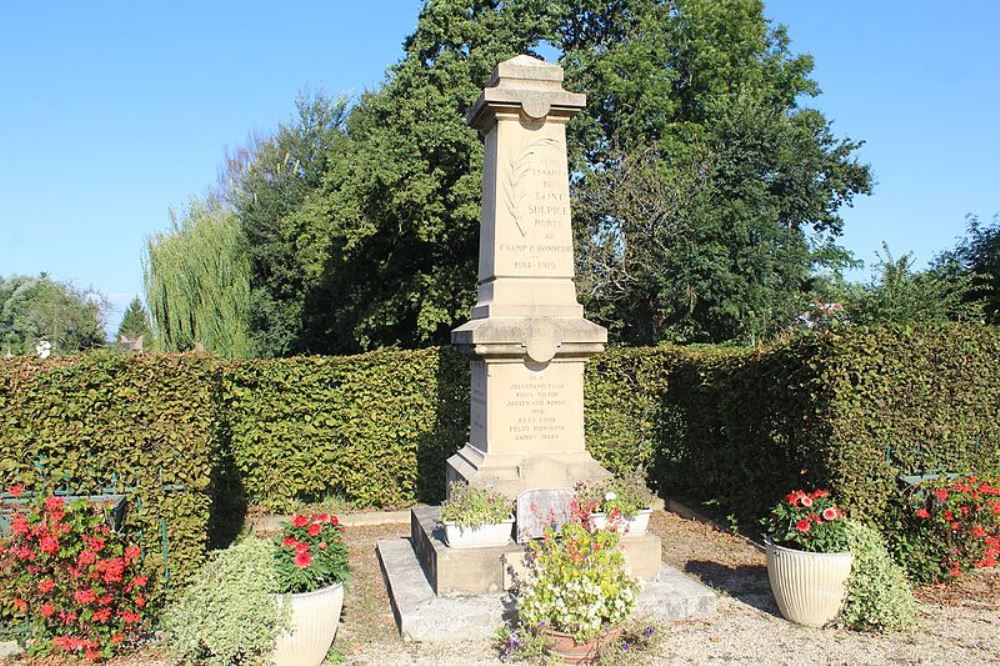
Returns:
(425,617)
(538,509)
(675,596)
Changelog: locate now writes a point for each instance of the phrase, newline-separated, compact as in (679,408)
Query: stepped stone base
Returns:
(441,594)
(483,570)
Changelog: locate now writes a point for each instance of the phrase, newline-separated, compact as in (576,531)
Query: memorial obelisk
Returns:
(528,339)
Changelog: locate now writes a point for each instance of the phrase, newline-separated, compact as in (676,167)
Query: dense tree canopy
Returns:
(978,255)
(33,309)
(705,196)
(135,321)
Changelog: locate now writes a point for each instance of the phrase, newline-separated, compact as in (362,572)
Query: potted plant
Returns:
(311,565)
(576,591)
(476,517)
(620,503)
(808,557)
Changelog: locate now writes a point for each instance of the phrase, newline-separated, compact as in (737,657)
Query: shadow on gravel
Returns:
(746,583)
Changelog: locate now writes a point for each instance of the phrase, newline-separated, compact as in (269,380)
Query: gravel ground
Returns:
(959,624)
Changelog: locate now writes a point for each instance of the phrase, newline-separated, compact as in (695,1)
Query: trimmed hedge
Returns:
(137,422)
(849,411)
(375,428)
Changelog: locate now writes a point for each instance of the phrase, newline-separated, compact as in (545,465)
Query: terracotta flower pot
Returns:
(315,618)
(493,534)
(565,647)
(810,588)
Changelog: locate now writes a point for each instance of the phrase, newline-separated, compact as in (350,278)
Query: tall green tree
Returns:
(978,254)
(709,195)
(274,187)
(197,281)
(33,309)
(900,295)
(135,321)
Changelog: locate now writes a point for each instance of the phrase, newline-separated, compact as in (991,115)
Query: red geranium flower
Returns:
(315,529)
(803,525)
(15,491)
(289,541)
(301,546)
(54,503)
(922,513)
(830,514)
(46,610)
(84,596)
(303,559)
(941,494)
(300,521)
(321,517)
(48,545)
(806,501)
(334,520)
(45,586)
(20,604)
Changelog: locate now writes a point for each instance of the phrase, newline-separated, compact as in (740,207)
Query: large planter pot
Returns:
(493,534)
(634,526)
(565,647)
(315,618)
(810,588)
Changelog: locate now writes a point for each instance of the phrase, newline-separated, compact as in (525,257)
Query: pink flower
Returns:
(45,586)
(806,501)
(48,545)
(315,529)
(303,559)
(300,521)
(15,491)
(803,525)
(922,513)
(54,503)
(830,514)
(46,610)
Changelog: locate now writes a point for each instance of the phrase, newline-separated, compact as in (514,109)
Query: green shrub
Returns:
(376,428)
(470,507)
(627,494)
(228,615)
(143,424)
(879,597)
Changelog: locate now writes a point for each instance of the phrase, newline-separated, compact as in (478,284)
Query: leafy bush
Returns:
(576,582)
(879,596)
(470,507)
(73,583)
(310,554)
(228,614)
(143,424)
(807,521)
(948,527)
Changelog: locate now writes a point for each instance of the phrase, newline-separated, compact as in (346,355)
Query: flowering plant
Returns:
(807,521)
(76,585)
(474,507)
(310,553)
(955,523)
(576,583)
(619,496)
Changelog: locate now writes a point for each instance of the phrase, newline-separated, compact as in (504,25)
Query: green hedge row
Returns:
(375,428)
(142,424)
(850,411)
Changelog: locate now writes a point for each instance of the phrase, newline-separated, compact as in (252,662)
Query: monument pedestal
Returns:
(443,595)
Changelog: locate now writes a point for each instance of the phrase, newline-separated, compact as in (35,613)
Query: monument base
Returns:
(514,474)
(440,594)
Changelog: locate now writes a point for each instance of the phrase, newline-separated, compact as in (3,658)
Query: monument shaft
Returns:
(528,339)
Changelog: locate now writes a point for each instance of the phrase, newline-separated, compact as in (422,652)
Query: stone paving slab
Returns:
(422,616)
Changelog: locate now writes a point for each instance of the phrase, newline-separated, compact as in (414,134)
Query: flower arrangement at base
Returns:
(476,516)
(76,586)
(622,503)
(311,563)
(808,557)
(950,527)
(577,590)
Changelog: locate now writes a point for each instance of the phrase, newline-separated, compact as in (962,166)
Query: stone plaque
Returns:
(538,509)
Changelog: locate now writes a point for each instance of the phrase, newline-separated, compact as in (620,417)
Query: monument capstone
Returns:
(527,339)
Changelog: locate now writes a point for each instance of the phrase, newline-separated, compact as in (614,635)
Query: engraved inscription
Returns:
(536,403)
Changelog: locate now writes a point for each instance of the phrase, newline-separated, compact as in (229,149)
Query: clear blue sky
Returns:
(111,112)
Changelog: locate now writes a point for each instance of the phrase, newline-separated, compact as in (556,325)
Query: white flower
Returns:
(610,496)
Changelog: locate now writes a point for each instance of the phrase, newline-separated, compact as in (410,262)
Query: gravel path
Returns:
(962,627)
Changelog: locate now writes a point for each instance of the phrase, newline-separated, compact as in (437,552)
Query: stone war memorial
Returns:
(527,343)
